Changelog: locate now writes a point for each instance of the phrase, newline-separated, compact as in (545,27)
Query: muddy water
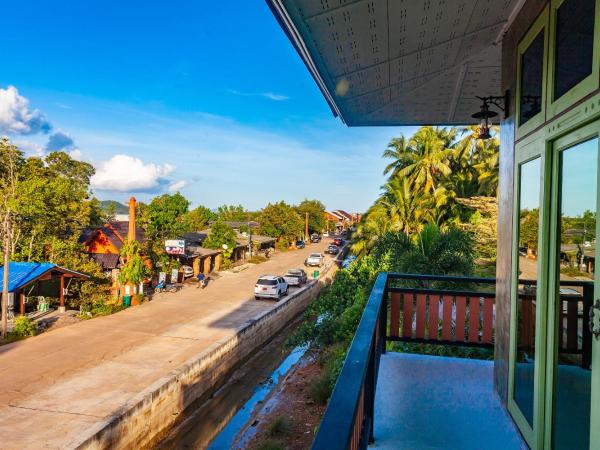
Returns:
(215,423)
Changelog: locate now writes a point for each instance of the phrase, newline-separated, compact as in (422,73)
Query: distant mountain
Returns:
(114,207)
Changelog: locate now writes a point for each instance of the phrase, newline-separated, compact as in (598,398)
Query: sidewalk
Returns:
(58,385)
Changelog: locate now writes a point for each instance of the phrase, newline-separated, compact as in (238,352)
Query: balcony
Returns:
(390,400)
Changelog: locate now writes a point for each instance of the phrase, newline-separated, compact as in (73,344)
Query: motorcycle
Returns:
(163,287)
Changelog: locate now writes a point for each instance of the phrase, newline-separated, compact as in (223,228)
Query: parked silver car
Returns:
(295,277)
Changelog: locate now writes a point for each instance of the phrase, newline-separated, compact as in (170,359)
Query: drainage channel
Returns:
(215,423)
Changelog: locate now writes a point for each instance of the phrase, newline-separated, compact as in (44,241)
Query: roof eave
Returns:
(287,25)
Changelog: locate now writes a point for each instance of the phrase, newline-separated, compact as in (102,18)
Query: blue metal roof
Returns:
(23,273)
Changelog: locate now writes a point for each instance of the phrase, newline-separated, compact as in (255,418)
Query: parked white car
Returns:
(314,259)
(188,271)
(270,286)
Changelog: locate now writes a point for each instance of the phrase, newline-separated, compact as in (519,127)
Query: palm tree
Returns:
(475,164)
(431,159)
(400,153)
(404,207)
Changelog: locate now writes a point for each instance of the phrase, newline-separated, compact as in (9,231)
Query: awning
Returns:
(20,274)
(417,62)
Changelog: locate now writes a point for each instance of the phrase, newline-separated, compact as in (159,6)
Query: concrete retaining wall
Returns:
(157,408)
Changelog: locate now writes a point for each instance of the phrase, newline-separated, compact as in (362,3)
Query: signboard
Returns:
(175,246)
(162,277)
(174,275)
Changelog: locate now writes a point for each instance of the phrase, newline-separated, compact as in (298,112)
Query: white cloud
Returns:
(273,96)
(176,186)
(126,173)
(16,117)
(269,95)
(30,148)
(76,154)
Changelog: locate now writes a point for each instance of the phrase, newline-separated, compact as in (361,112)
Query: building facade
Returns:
(536,64)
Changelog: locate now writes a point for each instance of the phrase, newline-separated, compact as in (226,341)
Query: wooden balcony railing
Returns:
(436,310)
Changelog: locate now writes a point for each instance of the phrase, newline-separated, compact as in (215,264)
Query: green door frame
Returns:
(582,134)
(528,150)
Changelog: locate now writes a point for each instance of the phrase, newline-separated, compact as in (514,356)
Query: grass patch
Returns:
(270,444)
(281,426)
(573,272)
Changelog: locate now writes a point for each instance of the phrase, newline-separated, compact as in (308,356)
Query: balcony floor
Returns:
(432,402)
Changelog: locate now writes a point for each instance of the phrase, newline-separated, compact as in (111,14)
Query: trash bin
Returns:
(127,301)
(316,274)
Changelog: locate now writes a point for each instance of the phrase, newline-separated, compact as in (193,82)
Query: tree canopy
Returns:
(232,213)
(281,221)
(431,174)
(316,217)
(221,234)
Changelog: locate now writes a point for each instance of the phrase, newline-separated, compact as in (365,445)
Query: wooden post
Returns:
(306,228)
(22,302)
(62,293)
(131,229)
(5,277)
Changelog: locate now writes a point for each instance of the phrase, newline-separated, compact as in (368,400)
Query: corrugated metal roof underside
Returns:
(401,62)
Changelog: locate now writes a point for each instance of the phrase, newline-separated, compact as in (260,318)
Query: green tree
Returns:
(198,218)
(281,221)
(165,216)
(232,213)
(529,228)
(316,214)
(430,159)
(401,154)
(134,269)
(221,234)
(50,204)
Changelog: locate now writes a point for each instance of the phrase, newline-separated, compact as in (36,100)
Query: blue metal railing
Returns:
(348,419)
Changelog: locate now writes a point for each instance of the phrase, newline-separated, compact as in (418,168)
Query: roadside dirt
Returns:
(293,403)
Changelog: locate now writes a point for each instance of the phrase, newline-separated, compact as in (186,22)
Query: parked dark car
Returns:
(315,238)
(332,250)
(295,277)
(300,244)
(338,241)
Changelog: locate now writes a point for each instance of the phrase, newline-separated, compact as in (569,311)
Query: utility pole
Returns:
(249,239)
(306,227)
(5,275)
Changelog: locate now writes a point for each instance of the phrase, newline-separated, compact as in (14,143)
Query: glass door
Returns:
(528,305)
(571,383)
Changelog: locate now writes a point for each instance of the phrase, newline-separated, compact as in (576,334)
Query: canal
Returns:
(214,423)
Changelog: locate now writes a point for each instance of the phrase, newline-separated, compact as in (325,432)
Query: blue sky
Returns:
(206,97)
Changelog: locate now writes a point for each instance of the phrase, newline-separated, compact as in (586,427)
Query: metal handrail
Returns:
(348,419)
(338,423)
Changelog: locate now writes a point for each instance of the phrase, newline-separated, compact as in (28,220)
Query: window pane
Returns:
(532,65)
(574,44)
(529,215)
(572,374)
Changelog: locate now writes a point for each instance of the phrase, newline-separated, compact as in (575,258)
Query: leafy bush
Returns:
(25,326)
(100,308)
(281,426)
(320,389)
(257,259)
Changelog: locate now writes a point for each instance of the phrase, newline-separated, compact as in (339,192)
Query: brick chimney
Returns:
(131,231)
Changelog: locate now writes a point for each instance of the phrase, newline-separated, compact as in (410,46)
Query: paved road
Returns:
(57,384)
